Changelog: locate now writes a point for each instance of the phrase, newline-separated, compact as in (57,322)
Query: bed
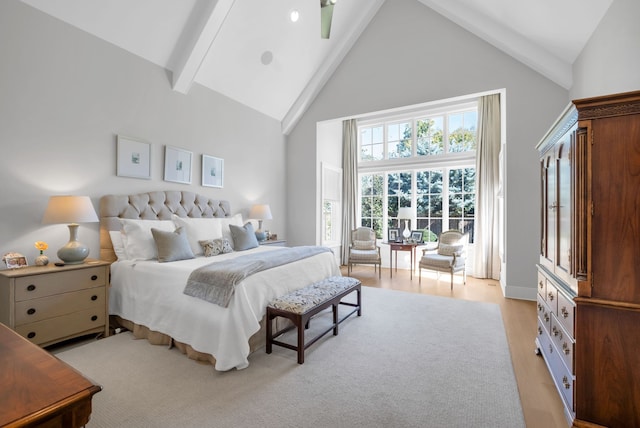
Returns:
(146,296)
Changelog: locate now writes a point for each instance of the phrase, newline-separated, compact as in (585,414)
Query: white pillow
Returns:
(199,229)
(118,244)
(138,240)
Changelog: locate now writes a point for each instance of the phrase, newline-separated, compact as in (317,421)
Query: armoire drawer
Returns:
(564,343)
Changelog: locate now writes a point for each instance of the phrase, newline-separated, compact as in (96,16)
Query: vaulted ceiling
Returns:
(250,50)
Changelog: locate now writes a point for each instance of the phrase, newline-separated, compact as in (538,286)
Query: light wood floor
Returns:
(541,403)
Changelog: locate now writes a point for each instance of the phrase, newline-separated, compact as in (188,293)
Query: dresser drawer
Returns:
(564,343)
(563,379)
(53,329)
(544,314)
(542,285)
(47,284)
(28,311)
(566,313)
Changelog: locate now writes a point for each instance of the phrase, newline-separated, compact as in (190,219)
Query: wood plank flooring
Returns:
(541,403)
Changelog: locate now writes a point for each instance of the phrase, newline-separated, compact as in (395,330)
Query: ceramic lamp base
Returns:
(73,252)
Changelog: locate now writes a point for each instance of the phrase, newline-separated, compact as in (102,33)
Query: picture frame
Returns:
(133,158)
(416,236)
(212,171)
(15,262)
(177,165)
(393,234)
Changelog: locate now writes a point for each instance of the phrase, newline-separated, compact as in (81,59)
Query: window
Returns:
(426,161)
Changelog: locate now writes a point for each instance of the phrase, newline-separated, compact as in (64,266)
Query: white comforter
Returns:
(151,294)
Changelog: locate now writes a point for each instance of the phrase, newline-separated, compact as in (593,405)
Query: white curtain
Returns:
(486,238)
(349,183)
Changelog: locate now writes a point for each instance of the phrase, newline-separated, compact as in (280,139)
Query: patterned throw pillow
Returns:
(213,247)
(448,250)
(364,245)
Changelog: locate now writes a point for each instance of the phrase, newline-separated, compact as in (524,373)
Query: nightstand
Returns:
(274,242)
(49,304)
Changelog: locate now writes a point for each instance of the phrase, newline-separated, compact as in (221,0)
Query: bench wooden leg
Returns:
(269,331)
(301,329)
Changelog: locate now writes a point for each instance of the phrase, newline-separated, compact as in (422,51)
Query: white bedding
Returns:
(151,294)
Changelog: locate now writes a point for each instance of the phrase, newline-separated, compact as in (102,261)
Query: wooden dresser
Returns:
(37,389)
(589,269)
(48,304)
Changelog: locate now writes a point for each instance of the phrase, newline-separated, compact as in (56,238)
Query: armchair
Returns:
(364,249)
(450,255)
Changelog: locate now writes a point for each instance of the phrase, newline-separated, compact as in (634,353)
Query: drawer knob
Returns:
(565,312)
(565,348)
(31,334)
(555,330)
(31,311)
(546,317)
(31,287)
(541,285)
(551,296)
(94,297)
(94,318)
(565,382)
(539,330)
(94,277)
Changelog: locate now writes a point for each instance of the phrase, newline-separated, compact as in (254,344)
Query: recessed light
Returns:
(294,15)
(266,58)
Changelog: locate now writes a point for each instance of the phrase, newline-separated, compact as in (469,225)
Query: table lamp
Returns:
(260,212)
(73,210)
(405,213)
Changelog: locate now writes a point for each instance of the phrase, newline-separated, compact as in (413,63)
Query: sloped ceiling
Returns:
(250,51)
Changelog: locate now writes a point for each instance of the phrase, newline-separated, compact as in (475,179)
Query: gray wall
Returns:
(410,55)
(610,62)
(65,95)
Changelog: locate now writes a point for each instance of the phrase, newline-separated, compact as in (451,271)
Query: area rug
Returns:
(410,360)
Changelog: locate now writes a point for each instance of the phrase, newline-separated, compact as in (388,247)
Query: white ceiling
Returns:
(220,43)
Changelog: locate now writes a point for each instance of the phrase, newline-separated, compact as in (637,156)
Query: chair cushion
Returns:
(449,249)
(370,256)
(438,261)
(364,245)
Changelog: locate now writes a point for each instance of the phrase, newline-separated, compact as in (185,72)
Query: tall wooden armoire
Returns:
(589,269)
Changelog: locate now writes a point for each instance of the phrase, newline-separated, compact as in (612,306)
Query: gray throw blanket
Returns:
(217,281)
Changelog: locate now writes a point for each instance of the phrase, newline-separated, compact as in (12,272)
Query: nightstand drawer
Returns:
(35,286)
(54,329)
(28,311)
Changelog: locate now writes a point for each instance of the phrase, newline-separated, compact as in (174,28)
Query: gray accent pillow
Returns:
(213,247)
(244,237)
(172,246)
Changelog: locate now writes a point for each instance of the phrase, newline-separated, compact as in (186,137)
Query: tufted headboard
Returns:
(153,206)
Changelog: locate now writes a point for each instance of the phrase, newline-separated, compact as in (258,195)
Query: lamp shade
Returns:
(72,210)
(260,212)
(69,209)
(405,213)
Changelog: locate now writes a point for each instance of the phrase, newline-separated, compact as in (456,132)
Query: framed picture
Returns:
(133,158)
(177,165)
(393,234)
(212,171)
(416,235)
(15,260)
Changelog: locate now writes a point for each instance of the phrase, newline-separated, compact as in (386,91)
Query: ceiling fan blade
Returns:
(326,14)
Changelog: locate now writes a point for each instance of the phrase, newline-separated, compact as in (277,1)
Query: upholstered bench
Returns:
(300,305)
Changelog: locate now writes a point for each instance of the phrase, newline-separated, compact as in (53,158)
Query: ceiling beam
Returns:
(330,64)
(508,41)
(197,37)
